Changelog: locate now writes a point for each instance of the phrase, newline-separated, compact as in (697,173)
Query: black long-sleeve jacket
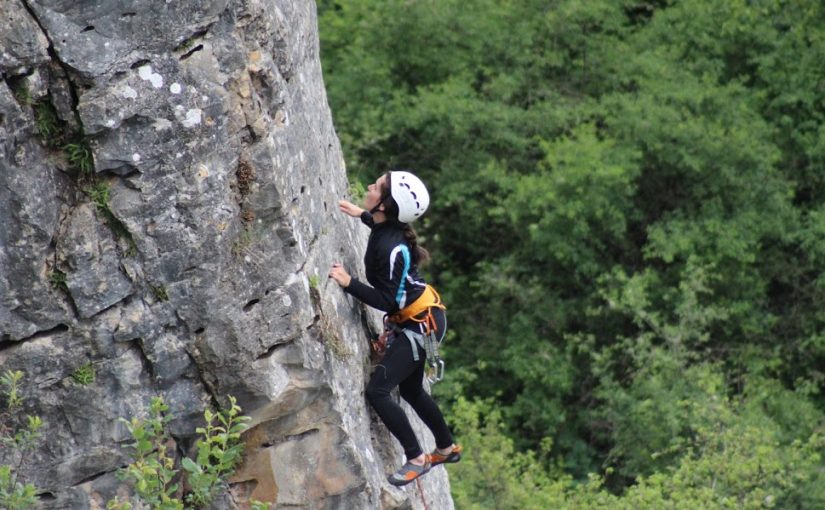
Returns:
(389,267)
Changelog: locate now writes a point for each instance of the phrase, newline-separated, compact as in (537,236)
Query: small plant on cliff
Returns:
(159,291)
(80,157)
(332,339)
(18,433)
(47,122)
(314,281)
(85,374)
(154,471)
(186,44)
(57,279)
(98,193)
(251,233)
(21,92)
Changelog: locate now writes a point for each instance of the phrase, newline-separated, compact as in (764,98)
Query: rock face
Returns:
(169,178)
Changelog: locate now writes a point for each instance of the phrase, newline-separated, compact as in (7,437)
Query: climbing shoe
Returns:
(408,473)
(450,458)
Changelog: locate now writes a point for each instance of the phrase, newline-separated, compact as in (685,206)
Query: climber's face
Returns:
(373,196)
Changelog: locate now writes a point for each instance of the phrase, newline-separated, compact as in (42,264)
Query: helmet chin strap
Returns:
(375,209)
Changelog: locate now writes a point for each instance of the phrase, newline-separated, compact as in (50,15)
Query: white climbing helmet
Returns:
(410,194)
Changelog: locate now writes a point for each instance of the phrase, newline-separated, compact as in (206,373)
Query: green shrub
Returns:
(18,434)
(154,472)
(13,494)
(219,451)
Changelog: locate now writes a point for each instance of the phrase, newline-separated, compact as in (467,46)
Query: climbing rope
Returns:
(421,491)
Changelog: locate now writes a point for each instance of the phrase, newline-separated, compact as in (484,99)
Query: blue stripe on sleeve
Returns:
(400,296)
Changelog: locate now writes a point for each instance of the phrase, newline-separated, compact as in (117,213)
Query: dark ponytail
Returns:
(420,255)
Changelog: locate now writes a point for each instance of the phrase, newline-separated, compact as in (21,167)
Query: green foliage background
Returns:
(628,227)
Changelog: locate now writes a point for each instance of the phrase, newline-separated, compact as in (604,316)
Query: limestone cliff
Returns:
(169,178)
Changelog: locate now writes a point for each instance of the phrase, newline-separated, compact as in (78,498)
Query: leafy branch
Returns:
(154,473)
(18,433)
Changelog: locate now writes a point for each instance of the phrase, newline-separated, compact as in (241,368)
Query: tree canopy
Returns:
(628,228)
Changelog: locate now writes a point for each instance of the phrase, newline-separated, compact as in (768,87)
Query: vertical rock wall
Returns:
(169,177)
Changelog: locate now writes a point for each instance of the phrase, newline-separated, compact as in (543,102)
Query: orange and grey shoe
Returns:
(450,458)
(409,472)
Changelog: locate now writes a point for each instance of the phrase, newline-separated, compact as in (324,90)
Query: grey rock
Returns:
(98,38)
(89,253)
(32,191)
(203,276)
(22,43)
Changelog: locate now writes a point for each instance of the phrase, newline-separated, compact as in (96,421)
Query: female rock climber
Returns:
(395,200)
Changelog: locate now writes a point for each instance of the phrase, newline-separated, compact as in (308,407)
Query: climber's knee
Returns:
(376,392)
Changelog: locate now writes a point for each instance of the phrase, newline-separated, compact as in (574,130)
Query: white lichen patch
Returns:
(175,88)
(161,124)
(136,157)
(193,118)
(146,73)
(128,92)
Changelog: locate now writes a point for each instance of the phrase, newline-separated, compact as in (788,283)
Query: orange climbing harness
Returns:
(420,310)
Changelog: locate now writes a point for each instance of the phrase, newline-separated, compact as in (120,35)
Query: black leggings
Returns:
(398,368)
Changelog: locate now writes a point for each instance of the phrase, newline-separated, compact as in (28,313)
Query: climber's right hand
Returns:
(340,275)
(350,209)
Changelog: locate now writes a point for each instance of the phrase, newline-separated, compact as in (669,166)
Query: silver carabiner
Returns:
(437,372)
(440,370)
